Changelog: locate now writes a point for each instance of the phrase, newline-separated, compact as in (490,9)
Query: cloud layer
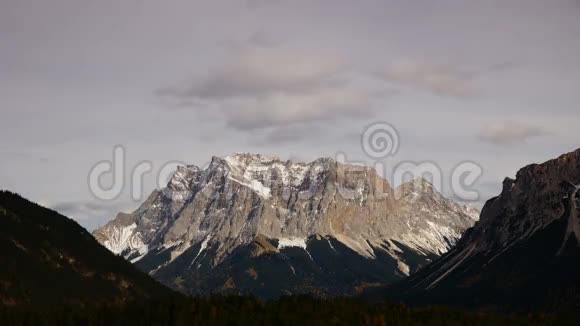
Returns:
(265,87)
(272,87)
(509,132)
(436,79)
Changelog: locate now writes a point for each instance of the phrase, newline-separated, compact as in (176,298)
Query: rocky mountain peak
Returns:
(415,188)
(524,251)
(243,197)
(248,158)
(534,199)
(184,177)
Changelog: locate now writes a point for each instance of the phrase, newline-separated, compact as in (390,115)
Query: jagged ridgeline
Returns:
(46,258)
(523,254)
(254,224)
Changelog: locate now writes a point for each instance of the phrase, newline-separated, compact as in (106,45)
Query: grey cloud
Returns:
(504,66)
(262,39)
(288,134)
(257,39)
(257,71)
(509,132)
(437,79)
(283,109)
(274,87)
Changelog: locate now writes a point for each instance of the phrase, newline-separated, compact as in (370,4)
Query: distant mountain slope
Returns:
(255,224)
(523,254)
(48,258)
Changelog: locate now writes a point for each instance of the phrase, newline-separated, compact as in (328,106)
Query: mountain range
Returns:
(254,224)
(216,230)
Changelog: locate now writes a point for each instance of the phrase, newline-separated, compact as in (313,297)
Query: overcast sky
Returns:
(493,82)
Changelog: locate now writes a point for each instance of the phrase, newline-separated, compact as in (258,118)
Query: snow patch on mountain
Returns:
(404,268)
(255,185)
(292,242)
(124,238)
(202,247)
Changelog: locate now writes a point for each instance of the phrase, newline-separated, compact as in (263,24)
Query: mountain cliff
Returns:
(524,252)
(250,223)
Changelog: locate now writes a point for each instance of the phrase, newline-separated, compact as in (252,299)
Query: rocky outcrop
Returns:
(269,206)
(524,251)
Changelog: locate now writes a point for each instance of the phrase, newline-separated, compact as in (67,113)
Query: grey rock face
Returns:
(540,195)
(523,253)
(245,196)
